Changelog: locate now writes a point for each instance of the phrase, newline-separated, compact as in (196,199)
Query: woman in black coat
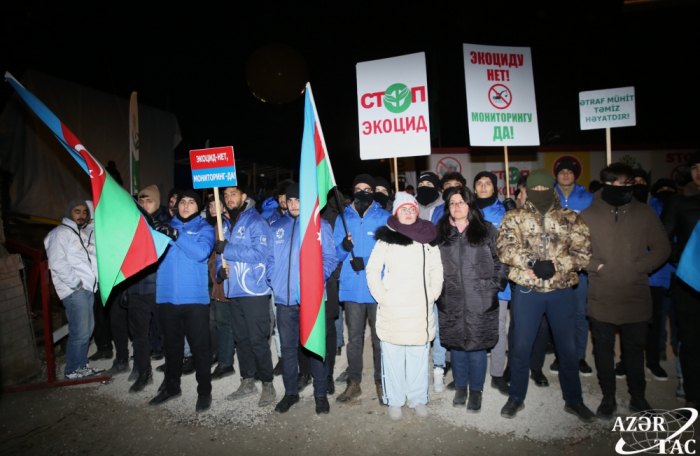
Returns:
(468,305)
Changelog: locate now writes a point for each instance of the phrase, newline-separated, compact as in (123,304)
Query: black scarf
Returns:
(381,198)
(541,199)
(486,202)
(362,202)
(615,195)
(641,192)
(186,219)
(421,231)
(427,195)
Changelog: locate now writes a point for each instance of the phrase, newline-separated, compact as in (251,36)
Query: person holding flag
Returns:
(283,269)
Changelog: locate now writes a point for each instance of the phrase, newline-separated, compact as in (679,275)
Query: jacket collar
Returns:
(71,223)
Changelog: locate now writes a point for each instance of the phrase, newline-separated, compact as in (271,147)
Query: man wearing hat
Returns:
(430,203)
(246,317)
(545,246)
(576,198)
(382,191)
(363,217)
(182,294)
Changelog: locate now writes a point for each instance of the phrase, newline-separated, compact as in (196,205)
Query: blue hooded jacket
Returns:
(353,285)
(183,275)
(246,253)
(662,277)
(283,263)
(494,214)
(579,198)
(268,207)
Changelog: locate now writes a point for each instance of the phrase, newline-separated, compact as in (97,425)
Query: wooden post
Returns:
(218,222)
(507,173)
(608,147)
(396,174)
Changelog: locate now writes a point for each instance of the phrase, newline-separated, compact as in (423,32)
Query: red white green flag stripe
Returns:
(124,242)
(315,181)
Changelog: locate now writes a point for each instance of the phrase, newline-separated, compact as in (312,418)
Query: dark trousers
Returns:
(632,339)
(119,325)
(304,355)
(155,334)
(251,333)
(288,325)
(539,348)
(224,329)
(142,308)
(213,330)
(528,308)
(101,333)
(654,334)
(356,315)
(688,315)
(178,321)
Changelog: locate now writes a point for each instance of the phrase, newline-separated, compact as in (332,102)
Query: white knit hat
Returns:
(403,199)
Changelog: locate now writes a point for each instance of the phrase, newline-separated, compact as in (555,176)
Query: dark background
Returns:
(191,60)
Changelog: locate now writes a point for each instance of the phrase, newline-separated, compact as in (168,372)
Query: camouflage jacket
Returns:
(560,235)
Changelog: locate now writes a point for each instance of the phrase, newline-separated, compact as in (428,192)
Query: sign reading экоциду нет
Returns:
(213,167)
(500,96)
(392,107)
(608,108)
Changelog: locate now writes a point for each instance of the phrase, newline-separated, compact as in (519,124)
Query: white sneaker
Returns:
(95,370)
(421,411)
(395,413)
(438,379)
(78,373)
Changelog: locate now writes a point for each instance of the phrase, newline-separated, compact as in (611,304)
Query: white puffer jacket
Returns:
(72,261)
(411,284)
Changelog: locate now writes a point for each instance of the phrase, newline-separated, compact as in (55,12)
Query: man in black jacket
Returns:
(680,216)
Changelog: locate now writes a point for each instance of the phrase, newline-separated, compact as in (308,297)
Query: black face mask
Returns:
(362,202)
(381,198)
(616,195)
(665,196)
(640,192)
(187,219)
(427,195)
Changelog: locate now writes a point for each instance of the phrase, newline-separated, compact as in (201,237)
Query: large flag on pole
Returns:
(124,242)
(689,266)
(315,181)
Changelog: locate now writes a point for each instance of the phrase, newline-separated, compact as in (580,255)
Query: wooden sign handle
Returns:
(218,222)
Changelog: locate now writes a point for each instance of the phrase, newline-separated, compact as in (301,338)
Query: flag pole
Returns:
(396,174)
(218,221)
(507,173)
(608,147)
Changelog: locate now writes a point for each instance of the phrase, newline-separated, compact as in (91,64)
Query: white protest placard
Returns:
(500,96)
(392,107)
(608,108)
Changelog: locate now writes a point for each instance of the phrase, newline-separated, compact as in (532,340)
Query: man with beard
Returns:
(363,217)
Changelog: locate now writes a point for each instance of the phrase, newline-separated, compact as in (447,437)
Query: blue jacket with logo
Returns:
(246,253)
(353,285)
(283,260)
(276,215)
(579,198)
(662,276)
(494,214)
(268,207)
(183,275)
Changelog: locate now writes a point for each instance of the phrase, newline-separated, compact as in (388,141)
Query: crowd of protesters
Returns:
(438,268)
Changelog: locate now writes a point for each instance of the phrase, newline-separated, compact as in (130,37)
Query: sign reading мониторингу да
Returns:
(213,167)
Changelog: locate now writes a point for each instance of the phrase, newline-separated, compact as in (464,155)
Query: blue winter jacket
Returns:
(183,276)
(494,214)
(283,263)
(579,198)
(268,207)
(144,282)
(662,277)
(353,285)
(276,215)
(438,212)
(246,253)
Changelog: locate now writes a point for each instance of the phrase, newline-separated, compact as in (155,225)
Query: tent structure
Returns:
(45,177)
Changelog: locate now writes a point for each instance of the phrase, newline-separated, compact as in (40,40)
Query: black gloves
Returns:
(221,275)
(347,245)
(165,229)
(220,246)
(544,269)
(358,264)
(509,204)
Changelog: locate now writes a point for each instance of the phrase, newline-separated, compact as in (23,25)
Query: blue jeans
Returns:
(438,350)
(288,325)
(528,308)
(339,328)
(581,300)
(469,368)
(81,323)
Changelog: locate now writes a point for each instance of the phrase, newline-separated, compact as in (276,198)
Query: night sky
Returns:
(191,60)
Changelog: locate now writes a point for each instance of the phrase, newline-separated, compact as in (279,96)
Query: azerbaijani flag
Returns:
(124,242)
(315,181)
(688,267)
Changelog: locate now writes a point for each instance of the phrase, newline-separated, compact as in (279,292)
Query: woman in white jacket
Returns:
(412,281)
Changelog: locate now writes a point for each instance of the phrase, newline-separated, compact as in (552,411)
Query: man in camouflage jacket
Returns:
(546,246)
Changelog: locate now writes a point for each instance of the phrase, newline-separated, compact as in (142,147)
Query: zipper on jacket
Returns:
(289,266)
(427,302)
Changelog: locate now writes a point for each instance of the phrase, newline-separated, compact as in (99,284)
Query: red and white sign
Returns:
(213,167)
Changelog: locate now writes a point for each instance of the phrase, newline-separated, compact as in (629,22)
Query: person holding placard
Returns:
(545,245)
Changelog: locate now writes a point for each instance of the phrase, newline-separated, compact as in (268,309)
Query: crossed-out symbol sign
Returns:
(500,96)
